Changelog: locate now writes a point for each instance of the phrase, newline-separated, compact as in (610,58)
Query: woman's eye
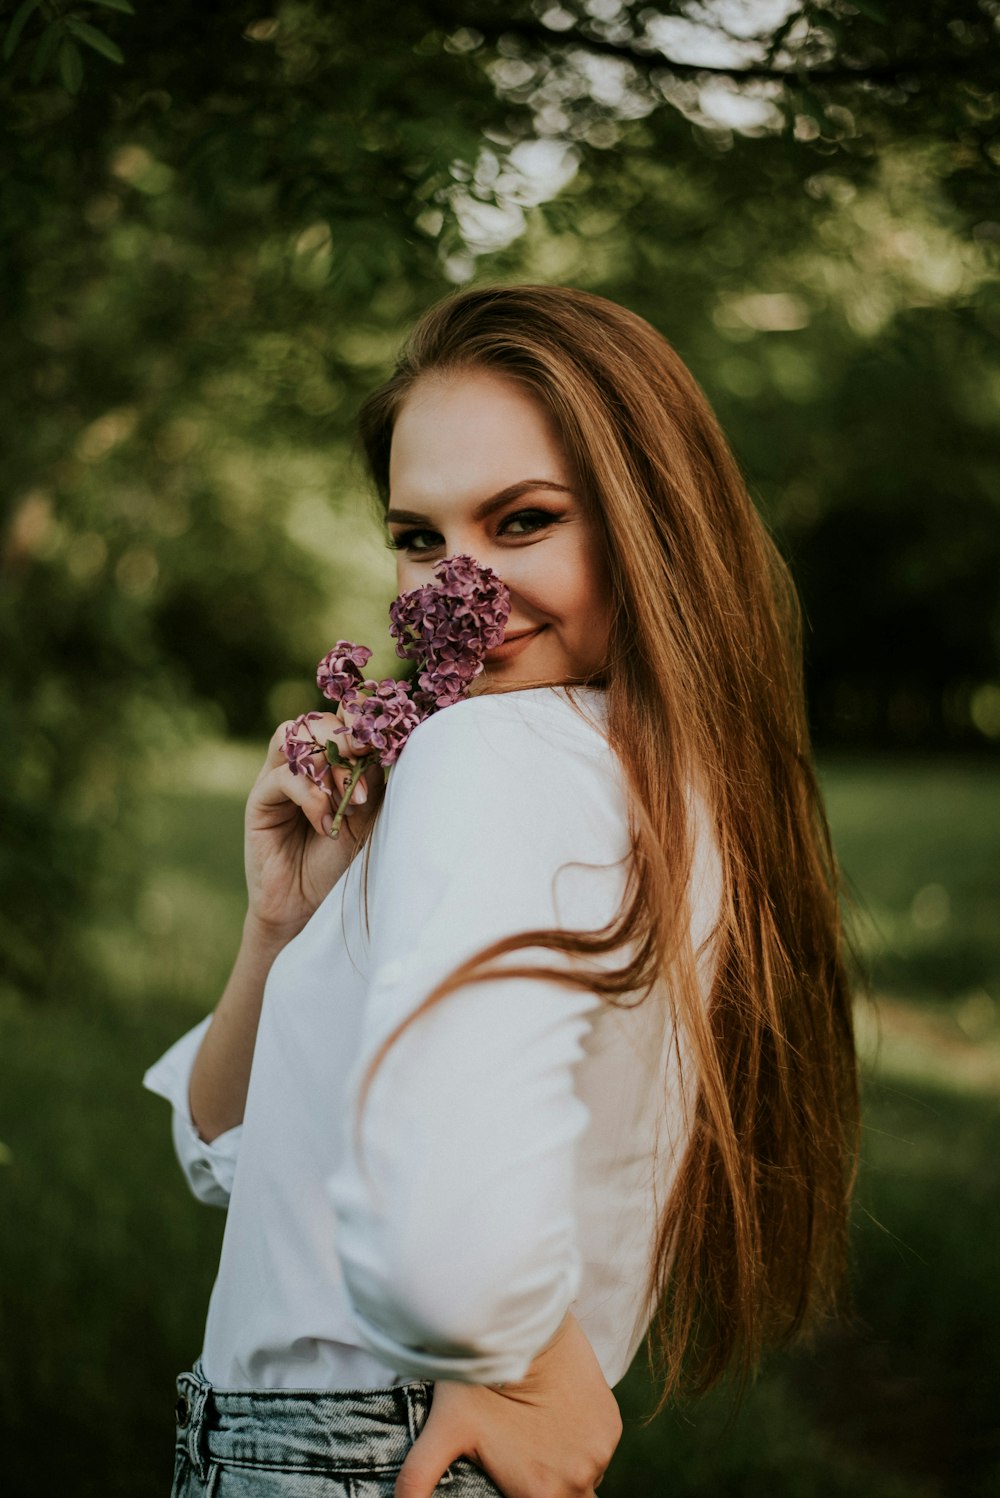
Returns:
(542,517)
(537,520)
(404,541)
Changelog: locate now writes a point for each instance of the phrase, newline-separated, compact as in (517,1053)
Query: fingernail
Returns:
(360,793)
(328,824)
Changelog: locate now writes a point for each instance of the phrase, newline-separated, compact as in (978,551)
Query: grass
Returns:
(918,842)
(108,1262)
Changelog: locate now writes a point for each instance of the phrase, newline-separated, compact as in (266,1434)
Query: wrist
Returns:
(264,939)
(537,1362)
(556,1336)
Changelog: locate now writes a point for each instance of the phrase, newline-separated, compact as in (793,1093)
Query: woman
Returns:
(641,1106)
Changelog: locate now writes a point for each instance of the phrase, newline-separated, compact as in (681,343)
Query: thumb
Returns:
(436,1447)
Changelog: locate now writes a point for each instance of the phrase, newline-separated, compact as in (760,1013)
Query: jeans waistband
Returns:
(359,1432)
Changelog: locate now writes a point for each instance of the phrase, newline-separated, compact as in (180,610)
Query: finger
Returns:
(429,1458)
(279,788)
(420,1474)
(339,729)
(341,775)
(322,726)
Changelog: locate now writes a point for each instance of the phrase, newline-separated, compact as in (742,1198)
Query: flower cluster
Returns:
(303,750)
(340,669)
(447,630)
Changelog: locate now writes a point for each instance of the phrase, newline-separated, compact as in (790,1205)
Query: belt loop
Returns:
(418,1397)
(194,1391)
(416,1409)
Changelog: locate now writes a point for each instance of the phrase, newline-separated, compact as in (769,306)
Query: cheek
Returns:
(587,588)
(569,587)
(407,575)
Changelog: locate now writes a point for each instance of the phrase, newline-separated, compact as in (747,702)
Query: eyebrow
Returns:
(495,502)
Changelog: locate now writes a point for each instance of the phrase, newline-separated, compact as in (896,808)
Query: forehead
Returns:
(467,434)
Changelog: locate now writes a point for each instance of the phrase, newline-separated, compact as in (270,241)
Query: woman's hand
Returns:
(550,1436)
(291,862)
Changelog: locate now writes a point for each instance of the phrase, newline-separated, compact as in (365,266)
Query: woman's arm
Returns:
(456,1198)
(221,1071)
(291,865)
(554,1432)
(208,1168)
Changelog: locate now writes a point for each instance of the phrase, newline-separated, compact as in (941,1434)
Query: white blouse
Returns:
(518,1139)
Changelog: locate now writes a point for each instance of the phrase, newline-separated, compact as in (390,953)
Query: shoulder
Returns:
(498,724)
(515,761)
(509,733)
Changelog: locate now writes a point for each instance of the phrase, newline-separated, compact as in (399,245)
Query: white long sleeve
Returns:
(457,1230)
(208,1168)
(519,1137)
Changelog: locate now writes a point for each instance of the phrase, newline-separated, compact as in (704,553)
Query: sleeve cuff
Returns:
(209,1168)
(500,1367)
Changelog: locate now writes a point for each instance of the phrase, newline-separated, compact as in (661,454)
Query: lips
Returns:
(513,644)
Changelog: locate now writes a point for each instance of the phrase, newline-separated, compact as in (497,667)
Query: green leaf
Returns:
(122,5)
(46,47)
(334,755)
(70,66)
(17,26)
(96,39)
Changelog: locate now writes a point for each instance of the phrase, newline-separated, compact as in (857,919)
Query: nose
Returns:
(484,556)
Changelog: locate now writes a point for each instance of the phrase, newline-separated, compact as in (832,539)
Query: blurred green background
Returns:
(216,225)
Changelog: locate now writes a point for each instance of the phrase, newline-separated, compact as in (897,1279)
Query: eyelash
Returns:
(403,541)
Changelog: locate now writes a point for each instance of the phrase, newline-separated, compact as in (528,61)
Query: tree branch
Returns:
(537,35)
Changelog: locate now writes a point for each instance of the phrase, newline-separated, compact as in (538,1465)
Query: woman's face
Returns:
(476,468)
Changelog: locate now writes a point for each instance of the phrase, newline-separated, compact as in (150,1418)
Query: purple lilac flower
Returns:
(448,678)
(382,717)
(341,668)
(303,750)
(469,611)
(447,630)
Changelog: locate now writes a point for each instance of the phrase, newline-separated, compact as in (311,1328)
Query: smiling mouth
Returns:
(513,644)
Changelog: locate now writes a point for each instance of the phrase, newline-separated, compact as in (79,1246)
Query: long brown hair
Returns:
(703,684)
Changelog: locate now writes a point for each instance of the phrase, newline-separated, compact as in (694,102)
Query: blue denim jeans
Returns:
(303,1443)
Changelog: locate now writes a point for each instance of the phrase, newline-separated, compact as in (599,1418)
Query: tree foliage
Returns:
(218,222)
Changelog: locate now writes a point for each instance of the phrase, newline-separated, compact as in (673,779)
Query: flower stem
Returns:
(355,775)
